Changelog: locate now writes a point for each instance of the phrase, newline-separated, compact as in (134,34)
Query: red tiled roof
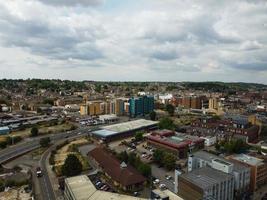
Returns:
(110,165)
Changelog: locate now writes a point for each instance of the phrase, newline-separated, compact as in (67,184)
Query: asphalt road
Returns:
(44,181)
(33,143)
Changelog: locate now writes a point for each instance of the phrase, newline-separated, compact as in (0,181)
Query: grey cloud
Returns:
(165,55)
(250,45)
(72,2)
(254,66)
(44,39)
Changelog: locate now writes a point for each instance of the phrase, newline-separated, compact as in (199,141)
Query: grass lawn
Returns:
(44,130)
(62,154)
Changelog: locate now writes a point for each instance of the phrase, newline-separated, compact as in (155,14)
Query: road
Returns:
(44,181)
(161,173)
(33,143)
(46,185)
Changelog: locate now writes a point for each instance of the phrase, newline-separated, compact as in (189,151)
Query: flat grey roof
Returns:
(130,125)
(123,127)
(248,159)
(209,157)
(206,177)
(83,189)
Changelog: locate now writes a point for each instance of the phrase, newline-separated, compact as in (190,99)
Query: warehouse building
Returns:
(4,130)
(125,129)
(81,188)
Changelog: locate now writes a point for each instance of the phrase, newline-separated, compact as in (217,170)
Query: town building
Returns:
(206,183)
(194,102)
(4,130)
(122,175)
(240,173)
(258,169)
(81,188)
(84,109)
(141,106)
(176,143)
(125,129)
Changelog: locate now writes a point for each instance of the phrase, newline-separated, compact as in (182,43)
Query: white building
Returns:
(241,173)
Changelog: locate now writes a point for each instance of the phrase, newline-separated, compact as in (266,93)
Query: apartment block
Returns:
(206,183)
(240,173)
(258,168)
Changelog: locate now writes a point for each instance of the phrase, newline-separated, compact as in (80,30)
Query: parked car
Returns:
(162,186)
(156,181)
(168,177)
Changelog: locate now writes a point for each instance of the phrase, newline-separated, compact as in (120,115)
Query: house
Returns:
(123,176)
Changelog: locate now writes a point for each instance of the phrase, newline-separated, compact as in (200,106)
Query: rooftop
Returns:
(206,177)
(111,165)
(209,157)
(83,189)
(248,159)
(131,125)
(175,140)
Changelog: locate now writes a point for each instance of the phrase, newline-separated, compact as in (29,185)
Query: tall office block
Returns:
(141,105)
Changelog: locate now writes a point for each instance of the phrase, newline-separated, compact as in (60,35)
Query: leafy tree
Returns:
(264,131)
(3,144)
(169,161)
(72,166)
(139,136)
(166,123)
(235,146)
(158,156)
(44,142)
(98,88)
(34,131)
(144,169)
(13,140)
(153,115)
(123,156)
(132,158)
(170,109)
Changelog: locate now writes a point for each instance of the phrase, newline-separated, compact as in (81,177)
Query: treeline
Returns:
(223,87)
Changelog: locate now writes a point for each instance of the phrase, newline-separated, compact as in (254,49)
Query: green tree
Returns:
(34,131)
(123,156)
(72,166)
(170,109)
(144,169)
(98,88)
(166,123)
(45,142)
(139,136)
(153,115)
(169,161)
(158,156)
(3,144)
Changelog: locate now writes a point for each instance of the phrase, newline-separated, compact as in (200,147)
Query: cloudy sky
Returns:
(165,40)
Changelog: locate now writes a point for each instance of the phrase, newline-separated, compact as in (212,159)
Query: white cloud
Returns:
(180,39)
